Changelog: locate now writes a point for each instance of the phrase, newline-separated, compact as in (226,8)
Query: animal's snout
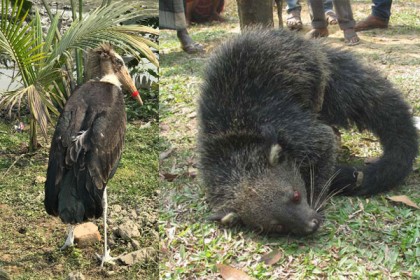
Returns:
(313,225)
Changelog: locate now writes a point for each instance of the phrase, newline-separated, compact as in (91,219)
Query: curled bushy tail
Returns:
(358,95)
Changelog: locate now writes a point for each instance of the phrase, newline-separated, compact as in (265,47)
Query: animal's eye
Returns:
(296,196)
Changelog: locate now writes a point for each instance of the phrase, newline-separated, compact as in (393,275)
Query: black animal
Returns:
(88,142)
(267,151)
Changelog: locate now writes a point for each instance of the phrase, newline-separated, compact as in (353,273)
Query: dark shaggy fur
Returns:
(267,104)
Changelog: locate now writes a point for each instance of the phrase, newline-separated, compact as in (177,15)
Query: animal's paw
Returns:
(228,218)
(346,181)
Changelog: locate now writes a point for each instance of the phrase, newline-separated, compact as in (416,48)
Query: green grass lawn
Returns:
(362,238)
(30,239)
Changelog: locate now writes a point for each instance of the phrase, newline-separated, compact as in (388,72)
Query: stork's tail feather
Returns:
(76,203)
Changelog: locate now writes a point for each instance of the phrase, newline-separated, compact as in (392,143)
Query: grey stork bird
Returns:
(88,142)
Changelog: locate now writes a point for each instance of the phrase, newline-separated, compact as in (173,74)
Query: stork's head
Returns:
(105,64)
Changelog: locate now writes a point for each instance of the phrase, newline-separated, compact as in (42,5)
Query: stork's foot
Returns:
(66,245)
(106,258)
(70,239)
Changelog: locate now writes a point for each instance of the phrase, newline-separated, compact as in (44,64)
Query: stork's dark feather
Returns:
(85,151)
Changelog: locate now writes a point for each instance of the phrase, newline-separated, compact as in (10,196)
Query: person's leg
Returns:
(379,18)
(215,11)
(316,10)
(293,20)
(328,5)
(330,15)
(344,14)
(346,21)
(382,9)
(292,5)
(187,43)
(319,23)
(189,8)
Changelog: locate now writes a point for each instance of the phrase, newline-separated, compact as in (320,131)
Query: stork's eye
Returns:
(296,197)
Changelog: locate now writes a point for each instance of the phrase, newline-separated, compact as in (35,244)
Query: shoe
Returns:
(371,22)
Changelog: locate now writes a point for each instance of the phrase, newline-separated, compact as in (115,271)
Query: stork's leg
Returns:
(70,238)
(106,256)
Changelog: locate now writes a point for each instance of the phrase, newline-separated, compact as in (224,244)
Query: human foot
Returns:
(193,47)
(331,17)
(216,17)
(293,20)
(350,37)
(317,33)
(187,44)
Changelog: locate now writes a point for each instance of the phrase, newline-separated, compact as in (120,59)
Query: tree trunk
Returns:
(33,142)
(253,12)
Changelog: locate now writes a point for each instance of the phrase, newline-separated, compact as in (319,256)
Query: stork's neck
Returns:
(112,79)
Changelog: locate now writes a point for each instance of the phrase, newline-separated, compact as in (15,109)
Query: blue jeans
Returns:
(380,8)
(294,4)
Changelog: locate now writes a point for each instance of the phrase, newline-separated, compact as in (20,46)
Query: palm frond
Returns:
(17,40)
(8,99)
(103,25)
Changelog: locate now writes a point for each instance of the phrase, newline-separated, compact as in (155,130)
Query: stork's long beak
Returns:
(128,83)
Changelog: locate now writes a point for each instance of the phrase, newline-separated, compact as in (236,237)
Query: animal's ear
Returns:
(275,154)
(275,150)
(228,218)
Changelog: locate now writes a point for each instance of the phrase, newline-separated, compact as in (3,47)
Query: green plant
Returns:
(44,62)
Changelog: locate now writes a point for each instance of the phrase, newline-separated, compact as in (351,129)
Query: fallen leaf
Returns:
(166,153)
(169,176)
(403,199)
(230,273)
(192,115)
(272,257)
(369,139)
(164,127)
(192,172)
(371,160)
(146,125)
(40,179)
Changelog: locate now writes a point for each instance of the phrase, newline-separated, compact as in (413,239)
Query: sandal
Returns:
(350,37)
(317,33)
(293,20)
(331,17)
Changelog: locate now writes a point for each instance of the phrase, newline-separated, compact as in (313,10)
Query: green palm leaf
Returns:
(102,25)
